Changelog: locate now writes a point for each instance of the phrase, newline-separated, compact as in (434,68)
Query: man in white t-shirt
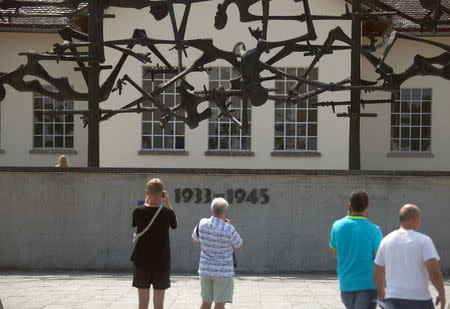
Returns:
(405,263)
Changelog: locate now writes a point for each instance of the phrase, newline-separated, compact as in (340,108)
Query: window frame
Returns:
(296,124)
(398,116)
(44,123)
(216,132)
(153,122)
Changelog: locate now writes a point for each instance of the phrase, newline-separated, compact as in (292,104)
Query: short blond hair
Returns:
(155,186)
(63,161)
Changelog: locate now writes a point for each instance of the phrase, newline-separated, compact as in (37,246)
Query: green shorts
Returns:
(218,290)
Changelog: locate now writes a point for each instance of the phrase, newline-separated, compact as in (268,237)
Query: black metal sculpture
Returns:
(248,86)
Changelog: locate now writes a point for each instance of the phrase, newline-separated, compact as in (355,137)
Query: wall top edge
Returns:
(217,171)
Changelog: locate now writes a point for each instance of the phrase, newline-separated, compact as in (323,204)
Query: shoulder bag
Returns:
(136,236)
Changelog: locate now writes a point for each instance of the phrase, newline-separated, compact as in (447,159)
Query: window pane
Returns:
(312,115)
(416,94)
(405,94)
(312,143)
(395,120)
(48,141)
(405,132)
(301,130)
(394,145)
(290,129)
(157,142)
(301,143)
(312,130)
(146,128)
(38,117)
(224,143)
(279,130)
(38,142)
(38,129)
(290,143)
(59,141)
(405,119)
(179,142)
(426,132)
(415,145)
(279,143)
(168,142)
(146,142)
(426,107)
(405,145)
(68,142)
(395,107)
(235,143)
(212,143)
(246,143)
(415,119)
(395,132)
(415,107)
(426,120)
(290,115)
(415,132)
(425,145)
(405,107)
(69,118)
(301,115)
(68,129)
(426,94)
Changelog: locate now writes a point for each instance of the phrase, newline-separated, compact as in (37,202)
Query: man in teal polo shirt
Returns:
(354,242)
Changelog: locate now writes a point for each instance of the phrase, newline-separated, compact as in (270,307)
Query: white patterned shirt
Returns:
(217,241)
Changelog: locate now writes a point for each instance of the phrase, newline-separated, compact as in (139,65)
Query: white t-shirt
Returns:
(403,254)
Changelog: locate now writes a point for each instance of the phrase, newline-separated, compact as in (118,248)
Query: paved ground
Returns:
(97,291)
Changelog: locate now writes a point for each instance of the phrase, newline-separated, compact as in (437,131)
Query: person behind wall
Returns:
(405,263)
(62,161)
(151,255)
(354,242)
(217,238)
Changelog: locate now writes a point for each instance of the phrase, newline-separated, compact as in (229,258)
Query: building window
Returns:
(295,123)
(52,131)
(223,133)
(411,121)
(155,137)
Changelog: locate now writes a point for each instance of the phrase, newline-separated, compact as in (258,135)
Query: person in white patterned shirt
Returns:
(218,239)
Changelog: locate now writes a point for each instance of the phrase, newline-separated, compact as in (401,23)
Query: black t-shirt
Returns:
(152,251)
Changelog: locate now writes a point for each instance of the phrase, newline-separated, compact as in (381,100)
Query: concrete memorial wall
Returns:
(81,219)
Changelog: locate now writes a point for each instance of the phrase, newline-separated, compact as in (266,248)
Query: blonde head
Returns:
(155,186)
(63,161)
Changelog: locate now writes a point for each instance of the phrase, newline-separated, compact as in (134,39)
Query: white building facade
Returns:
(410,135)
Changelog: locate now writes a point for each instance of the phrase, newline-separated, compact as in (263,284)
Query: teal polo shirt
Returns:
(356,241)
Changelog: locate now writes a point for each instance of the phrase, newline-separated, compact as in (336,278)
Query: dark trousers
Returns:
(364,299)
(396,303)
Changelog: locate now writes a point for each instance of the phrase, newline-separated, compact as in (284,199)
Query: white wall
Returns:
(121,136)
(17,108)
(375,132)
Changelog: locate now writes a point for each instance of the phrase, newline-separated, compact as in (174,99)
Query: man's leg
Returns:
(348,298)
(144,298)
(161,282)
(205,305)
(206,285)
(219,306)
(158,299)
(366,299)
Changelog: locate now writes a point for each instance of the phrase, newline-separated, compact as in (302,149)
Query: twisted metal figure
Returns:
(248,86)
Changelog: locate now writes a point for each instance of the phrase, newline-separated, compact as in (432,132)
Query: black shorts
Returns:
(143,279)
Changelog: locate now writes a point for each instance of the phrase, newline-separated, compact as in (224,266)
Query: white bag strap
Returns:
(148,226)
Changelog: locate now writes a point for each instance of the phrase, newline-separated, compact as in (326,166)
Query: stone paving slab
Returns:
(114,291)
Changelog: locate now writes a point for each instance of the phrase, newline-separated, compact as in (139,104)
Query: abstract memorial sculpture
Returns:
(87,51)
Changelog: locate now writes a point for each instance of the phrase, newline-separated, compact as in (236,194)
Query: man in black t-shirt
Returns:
(151,255)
